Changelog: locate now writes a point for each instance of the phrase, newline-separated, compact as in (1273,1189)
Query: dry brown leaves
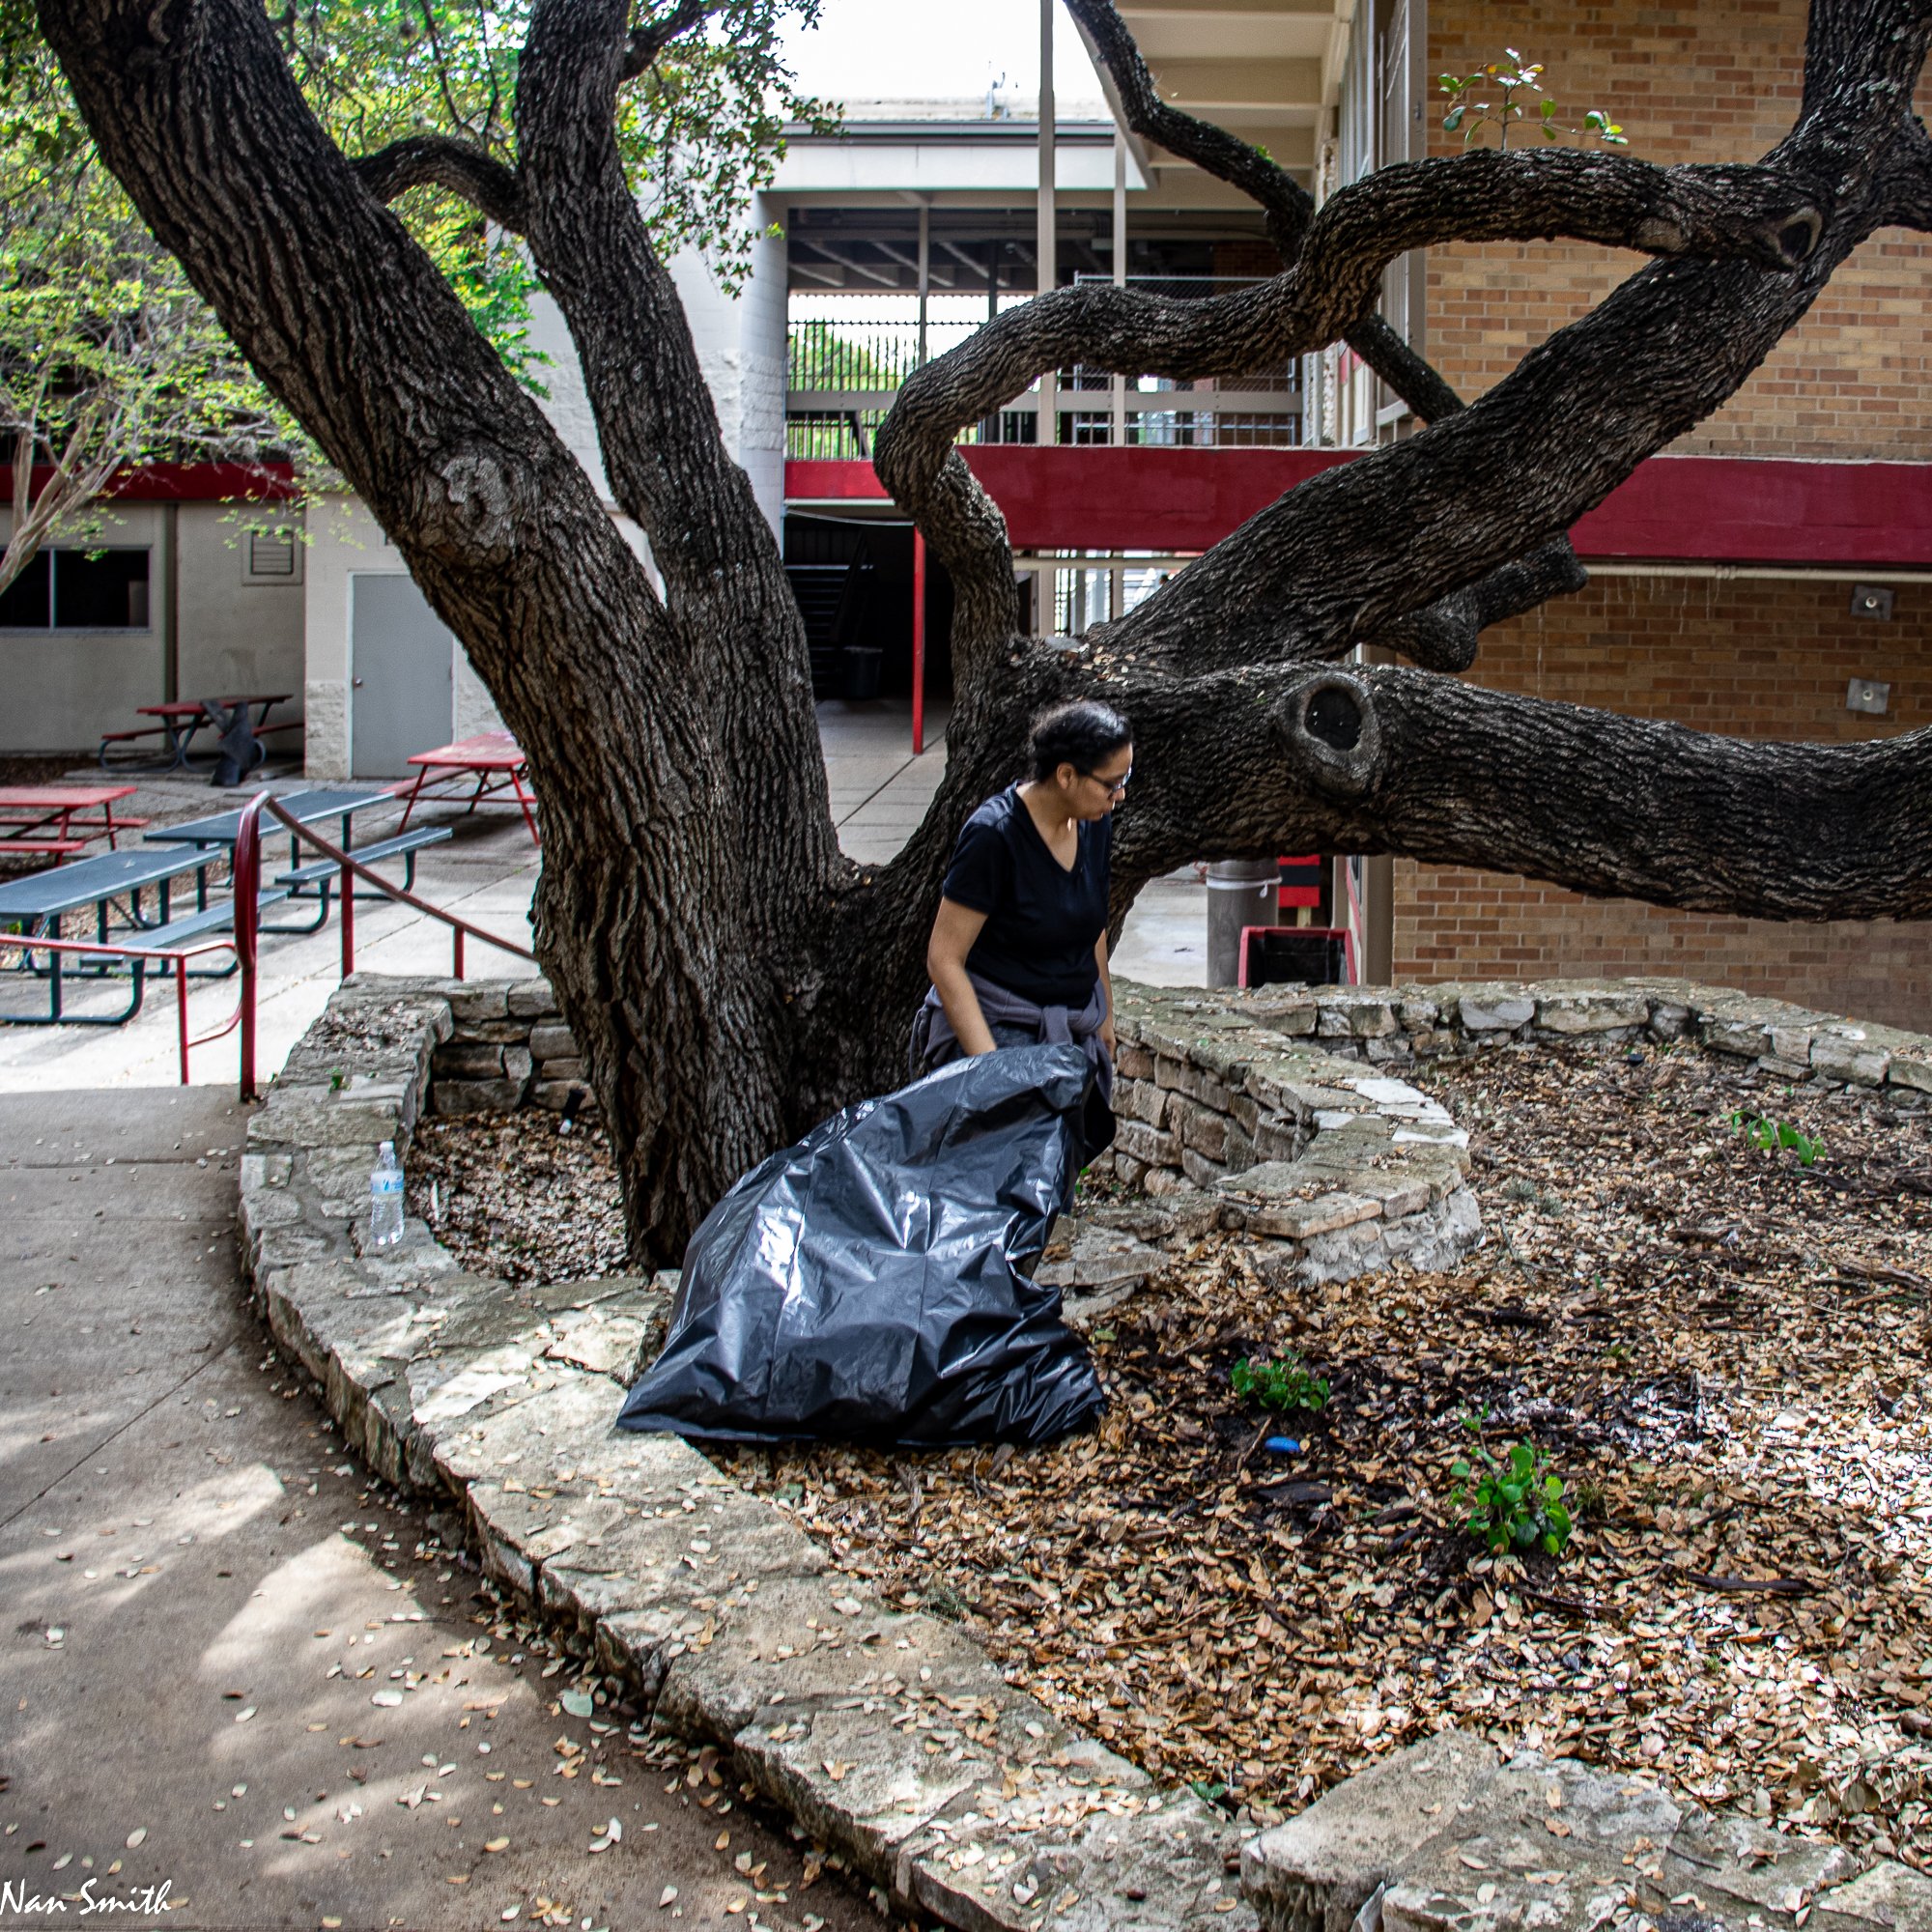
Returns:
(510,1196)
(1722,1352)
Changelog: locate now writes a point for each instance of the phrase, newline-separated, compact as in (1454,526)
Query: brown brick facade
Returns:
(1717,81)
(1749,658)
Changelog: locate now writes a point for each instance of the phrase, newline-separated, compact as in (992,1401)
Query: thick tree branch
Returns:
(1909,185)
(1388,760)
(1331,288)
(1316,571)
(1442,636)
(1290,211)
(436,161)
(1754,213)
(1287,204)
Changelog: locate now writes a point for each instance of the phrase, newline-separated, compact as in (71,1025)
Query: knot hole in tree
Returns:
(1798,236)
(1333,732)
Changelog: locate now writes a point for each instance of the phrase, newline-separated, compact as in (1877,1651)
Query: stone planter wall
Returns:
(508,1049)
(718,1611)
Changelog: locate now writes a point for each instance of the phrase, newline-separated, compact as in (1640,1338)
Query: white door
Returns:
(400,660)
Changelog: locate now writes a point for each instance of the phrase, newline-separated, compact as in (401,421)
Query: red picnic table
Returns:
(493,758)
(60,819)
(182,717)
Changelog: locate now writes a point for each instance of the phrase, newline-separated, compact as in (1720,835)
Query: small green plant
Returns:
(337,1080)
(1769,1134)
(1288,1383)
(1513,1500)
(1514,83)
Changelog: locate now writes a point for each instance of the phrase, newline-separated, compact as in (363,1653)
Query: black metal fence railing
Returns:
(847,356)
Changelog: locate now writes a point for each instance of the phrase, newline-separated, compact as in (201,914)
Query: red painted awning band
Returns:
(1709,509)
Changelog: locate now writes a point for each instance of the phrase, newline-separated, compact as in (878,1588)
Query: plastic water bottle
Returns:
(386,1198)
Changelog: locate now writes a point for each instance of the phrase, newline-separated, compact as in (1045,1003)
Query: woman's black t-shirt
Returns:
(1042,920)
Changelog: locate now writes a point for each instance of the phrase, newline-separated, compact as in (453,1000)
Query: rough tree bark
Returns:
(730,976)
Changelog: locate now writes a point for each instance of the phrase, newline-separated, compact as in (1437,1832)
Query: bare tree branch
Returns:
(646,43)
(436,161)
(1290,210)
(1315,572)
(1297,758)
(1287,204)
(1442,636)
(1332,287)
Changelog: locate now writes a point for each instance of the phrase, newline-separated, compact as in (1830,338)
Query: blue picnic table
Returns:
(37,905)
(221,829)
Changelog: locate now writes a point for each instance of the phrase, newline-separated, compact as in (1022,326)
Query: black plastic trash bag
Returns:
(873,1283)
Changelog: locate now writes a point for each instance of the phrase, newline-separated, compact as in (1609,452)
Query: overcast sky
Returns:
(939,50)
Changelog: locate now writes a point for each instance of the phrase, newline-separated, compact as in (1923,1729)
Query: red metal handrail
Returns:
(247,886)
(179,955)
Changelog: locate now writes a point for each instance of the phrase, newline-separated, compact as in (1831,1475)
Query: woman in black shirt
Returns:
(1018,951)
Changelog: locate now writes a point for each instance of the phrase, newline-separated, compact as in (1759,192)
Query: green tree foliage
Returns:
(109,358)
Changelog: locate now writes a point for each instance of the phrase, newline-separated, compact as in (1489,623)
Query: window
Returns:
(78,590)
(270,557)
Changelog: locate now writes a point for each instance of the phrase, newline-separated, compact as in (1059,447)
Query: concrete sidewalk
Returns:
(234,1668)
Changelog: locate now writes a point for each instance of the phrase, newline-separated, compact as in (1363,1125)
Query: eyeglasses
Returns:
(1114,788)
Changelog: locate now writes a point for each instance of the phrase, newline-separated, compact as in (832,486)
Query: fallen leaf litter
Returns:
(1722,1352)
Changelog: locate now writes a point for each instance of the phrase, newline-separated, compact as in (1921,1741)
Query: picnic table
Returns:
(39,903)
(493,758)
(180,719)
(221,829)
(60,819)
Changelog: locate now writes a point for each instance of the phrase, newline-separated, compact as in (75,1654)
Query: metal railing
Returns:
(847,363)
(178,955)
(247,886)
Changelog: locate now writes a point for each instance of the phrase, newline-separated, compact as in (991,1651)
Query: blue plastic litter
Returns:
(1283,1445)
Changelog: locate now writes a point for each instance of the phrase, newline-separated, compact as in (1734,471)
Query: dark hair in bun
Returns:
(1079,733)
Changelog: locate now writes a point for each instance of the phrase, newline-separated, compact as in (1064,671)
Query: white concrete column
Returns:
(924,272)
(1046,230)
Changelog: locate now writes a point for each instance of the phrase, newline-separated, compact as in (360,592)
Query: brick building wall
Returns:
(1715,81)
(1749,658)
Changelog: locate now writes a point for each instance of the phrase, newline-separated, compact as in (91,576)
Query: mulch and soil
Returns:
(1725,1354)
(510,1196)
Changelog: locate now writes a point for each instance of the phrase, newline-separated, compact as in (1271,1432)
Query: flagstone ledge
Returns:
(891,1736)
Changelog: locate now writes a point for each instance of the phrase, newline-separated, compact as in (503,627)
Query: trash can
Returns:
(859,672)
(1240,894)
(1302,955)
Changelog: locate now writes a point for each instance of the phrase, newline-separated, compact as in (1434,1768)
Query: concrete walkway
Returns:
(209,1610)
(488,873)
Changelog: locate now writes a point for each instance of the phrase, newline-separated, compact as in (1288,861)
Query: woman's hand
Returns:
(1108,1038)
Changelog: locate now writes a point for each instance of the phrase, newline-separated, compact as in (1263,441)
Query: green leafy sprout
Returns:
(1768,1135)
(1517,99)
(1285,1385)
(1512,1501)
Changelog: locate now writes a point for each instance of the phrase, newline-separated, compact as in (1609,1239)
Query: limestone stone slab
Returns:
(1845,1053)
(532,1428)
(603,1341)
(1315,1872)
(552,1039)
(1497,1010)
(1587,1011)
(1890,1895)
(1102,1257)
(1077,1852)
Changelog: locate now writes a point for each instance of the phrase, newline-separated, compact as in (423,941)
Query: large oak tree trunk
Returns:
(731,976)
